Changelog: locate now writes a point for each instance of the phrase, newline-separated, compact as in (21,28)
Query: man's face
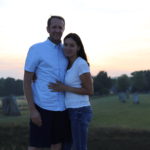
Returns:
(56,29)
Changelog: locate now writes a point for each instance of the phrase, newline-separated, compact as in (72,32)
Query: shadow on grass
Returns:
(118,139)
(16,138)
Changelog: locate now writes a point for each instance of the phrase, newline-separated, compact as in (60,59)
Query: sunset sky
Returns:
(115,33)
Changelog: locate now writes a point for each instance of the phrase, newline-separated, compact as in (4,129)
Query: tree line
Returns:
(139,81)
(11,86)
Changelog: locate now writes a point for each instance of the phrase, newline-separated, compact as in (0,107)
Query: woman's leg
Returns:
(80,119)
(75,129)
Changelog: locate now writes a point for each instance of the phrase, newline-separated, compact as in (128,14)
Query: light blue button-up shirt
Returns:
(47,60)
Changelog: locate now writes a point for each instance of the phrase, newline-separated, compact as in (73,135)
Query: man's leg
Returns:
(33,148)
(62,133)
(39,137)
(56,146)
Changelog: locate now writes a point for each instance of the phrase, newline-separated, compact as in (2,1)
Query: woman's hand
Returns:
(57,87)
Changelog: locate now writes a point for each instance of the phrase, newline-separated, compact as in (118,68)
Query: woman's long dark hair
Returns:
(78,41)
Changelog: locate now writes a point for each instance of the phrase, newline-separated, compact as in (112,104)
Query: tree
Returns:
(147,80)
(19,88)
(10,86)
(123,84)
(2,83)
(138,81)
(102,83)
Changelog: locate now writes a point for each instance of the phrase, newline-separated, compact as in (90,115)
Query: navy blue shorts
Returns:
(55,129)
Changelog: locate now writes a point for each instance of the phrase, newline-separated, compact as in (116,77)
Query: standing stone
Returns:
(9,106)
(122,97)
(136,98)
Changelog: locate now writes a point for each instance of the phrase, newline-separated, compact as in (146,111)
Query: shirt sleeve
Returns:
(83,68)
(32,60)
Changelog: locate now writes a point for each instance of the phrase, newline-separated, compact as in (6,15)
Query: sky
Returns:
(115,33)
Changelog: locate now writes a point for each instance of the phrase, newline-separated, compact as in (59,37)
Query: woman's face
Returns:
(70,48)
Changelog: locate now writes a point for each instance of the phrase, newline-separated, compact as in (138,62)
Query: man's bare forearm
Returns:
(34,114)
(28,90)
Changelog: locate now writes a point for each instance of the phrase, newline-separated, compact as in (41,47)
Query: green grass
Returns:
(110,112)
(107,112)
(16,120)
(115,125)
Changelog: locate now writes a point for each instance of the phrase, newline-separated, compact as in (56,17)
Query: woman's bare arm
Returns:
(86,89)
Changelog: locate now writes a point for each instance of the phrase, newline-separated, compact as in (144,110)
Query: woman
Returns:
(77,88)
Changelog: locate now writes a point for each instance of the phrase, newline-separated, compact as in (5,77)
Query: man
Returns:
(47,108)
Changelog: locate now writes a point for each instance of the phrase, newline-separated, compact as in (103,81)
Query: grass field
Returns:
(115,125)
(110,112)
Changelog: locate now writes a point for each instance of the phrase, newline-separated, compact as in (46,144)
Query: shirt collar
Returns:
(52,43)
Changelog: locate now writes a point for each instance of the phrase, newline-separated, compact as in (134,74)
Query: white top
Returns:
(47,60)
(72,78)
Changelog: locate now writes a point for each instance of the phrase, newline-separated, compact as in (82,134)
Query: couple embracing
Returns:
(57,85)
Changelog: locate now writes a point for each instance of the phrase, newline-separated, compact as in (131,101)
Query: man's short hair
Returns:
(52,17)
